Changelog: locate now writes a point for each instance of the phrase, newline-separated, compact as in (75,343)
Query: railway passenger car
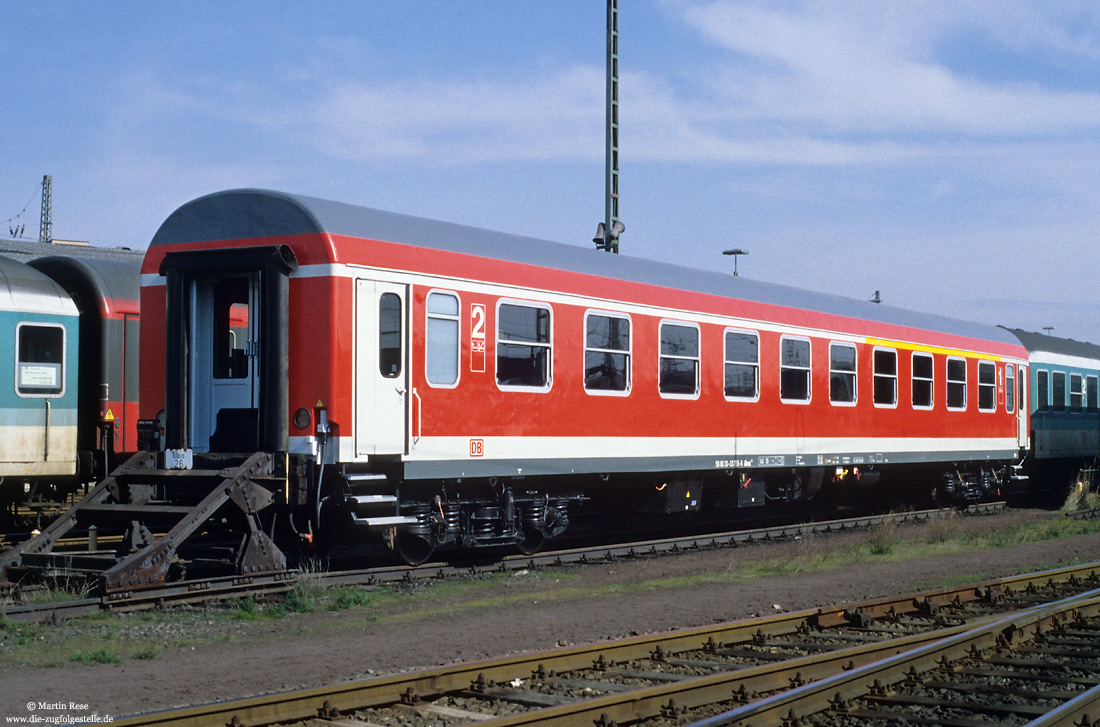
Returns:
(72,323)
(39,322)
(439,384)
(1065,411)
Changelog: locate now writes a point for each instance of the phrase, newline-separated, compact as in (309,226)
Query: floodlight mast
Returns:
(607,235)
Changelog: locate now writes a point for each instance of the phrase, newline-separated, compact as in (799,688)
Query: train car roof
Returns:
(25,290)
(1044,343)
(112,284)
(25,250)
(254,213)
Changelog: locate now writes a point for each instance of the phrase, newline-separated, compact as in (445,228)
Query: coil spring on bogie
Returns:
(534,514)
(483,523)
(422,513)
(452,517)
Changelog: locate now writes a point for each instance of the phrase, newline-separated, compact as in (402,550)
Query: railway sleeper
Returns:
(970,688)
(963,705)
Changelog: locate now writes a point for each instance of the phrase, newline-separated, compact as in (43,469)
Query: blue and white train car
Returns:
(38,368)
(1065,412)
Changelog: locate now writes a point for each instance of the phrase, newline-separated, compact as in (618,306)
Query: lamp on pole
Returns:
(735,252)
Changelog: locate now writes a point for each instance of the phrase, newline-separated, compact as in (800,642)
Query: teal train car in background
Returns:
(1065,410)
(39,325)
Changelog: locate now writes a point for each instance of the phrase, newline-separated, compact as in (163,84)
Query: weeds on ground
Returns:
(62,591)
(101,655)
(346,597)
(943,529)
(883,537)
(1083,493)
(249,609)
(307,594)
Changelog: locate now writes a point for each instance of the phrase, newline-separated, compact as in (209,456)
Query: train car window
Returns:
(987,386)
(742,369)
(523,346)
(842,373)
(1076,392)
(1042,390)
(230,329)
(1058,390)
(606,353)
(441,368)
(956,383)
(794,370)
(923,387)
(1010,388)
(885,377)
(389,335)
(679,365)
(1090,393)
(39,360)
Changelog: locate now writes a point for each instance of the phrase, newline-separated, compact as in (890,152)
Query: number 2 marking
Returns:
(477,321)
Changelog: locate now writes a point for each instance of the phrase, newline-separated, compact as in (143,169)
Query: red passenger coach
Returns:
(440,384)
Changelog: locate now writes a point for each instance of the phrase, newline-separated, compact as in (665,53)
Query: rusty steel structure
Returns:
(163,512)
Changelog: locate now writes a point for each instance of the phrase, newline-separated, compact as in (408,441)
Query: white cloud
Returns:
(852,68)
(459,121)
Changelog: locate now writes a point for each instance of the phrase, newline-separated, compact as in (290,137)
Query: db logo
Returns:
(477,447)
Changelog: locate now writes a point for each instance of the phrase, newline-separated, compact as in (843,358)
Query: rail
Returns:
(773,669)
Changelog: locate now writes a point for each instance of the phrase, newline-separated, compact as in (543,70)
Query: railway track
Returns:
(1008,651)
(193,591)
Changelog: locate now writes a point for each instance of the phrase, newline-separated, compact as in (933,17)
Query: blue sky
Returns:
(944,153)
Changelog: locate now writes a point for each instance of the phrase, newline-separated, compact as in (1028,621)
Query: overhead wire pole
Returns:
(608,231)
(45,221)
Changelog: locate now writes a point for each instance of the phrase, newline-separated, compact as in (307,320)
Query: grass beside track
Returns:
(113,639)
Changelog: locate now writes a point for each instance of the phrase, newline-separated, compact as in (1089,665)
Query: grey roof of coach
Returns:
(251,213)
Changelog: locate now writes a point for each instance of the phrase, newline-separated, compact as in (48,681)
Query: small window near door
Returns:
(230,330)
(389,335)
(441,367)
(1010,388)
(39,360)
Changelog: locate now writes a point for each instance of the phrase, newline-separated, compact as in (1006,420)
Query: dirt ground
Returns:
(520,612)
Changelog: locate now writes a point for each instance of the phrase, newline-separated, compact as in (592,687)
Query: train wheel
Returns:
(532,542)
(412,550)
